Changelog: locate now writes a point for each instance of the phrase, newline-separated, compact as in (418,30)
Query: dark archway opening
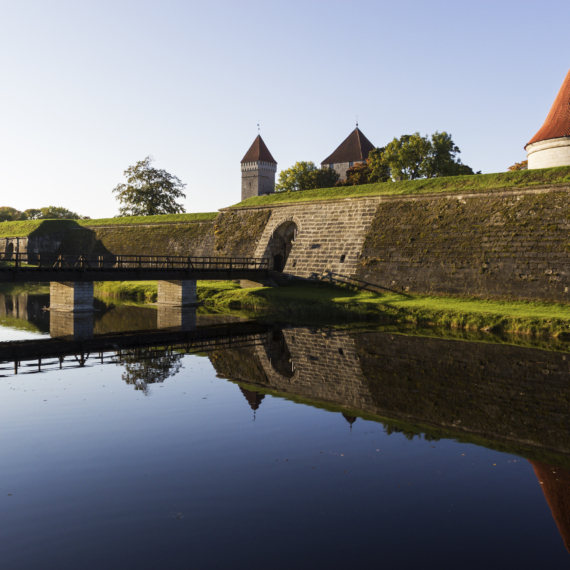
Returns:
(281,243)
(9,251)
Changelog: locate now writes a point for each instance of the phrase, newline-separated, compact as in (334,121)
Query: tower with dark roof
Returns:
(353,149)
(258,170)
(551,144)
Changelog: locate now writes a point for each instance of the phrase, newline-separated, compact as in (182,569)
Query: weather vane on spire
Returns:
(356,121)
(258,129)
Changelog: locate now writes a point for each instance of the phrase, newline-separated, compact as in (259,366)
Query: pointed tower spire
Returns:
(551,144)
(355,148)
(258,170)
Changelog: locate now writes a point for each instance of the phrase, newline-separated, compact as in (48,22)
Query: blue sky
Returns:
(91,87)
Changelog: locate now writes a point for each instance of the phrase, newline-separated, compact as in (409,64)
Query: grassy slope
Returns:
(476,183)
(43,227)
(317,301)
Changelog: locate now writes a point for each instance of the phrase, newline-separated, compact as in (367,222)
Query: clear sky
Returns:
(90,87)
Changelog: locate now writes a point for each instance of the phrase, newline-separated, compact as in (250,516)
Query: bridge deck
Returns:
(26,268)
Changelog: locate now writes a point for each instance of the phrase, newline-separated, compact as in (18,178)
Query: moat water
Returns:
(133,441)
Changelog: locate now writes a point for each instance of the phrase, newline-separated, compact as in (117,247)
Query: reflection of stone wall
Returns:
(496,391)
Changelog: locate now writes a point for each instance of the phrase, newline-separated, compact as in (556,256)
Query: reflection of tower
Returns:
(254,399)
(555,483)
(349,419)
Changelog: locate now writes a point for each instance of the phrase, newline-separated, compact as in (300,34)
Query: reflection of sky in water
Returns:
(182,473)
(9,331)
(156,460)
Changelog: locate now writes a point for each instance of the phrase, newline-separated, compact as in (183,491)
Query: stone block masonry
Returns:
(177,293)
(71,296)
(511,244)
(329,235)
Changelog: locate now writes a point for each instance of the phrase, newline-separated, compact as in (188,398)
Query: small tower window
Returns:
(342,258)
(350,164)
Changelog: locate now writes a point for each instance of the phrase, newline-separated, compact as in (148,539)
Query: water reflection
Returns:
(509,398)
(145,366)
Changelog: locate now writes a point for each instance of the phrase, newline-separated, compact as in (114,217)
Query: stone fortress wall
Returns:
(495,391)
(511,243)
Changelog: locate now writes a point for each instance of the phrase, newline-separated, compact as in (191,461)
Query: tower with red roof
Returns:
(551,144)
(258,170)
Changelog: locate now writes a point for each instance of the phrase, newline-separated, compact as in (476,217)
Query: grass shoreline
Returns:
(325,300)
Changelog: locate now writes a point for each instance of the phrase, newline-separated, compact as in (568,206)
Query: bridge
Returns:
(71,277)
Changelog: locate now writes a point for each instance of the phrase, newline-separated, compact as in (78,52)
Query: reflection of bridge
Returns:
(72,276)
(30,356)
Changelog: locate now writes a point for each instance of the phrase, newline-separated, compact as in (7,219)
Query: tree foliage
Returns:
(414,156)
(519,166)
(363,173)
(8,214)
(50,213)
(149,191)
(305,176)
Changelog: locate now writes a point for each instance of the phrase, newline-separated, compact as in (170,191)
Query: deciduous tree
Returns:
(305,176)
(519,166)
(414,156)
(149,191)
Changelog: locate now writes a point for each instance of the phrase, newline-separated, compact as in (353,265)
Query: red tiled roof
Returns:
(258,152)
(557,123)
(354,148)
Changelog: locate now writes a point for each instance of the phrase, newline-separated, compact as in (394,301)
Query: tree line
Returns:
(406,158)
(8,214)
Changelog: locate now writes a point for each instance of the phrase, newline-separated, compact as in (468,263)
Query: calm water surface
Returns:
(301,447)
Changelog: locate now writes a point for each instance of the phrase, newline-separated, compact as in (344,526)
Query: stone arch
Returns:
(281,241)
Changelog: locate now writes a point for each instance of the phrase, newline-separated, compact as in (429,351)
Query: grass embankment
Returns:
(133,290)
(473,314)
(44,227)
(324,300)
(475,183)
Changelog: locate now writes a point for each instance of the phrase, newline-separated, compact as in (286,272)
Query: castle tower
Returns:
(258,170)
(551,145)
(353,149)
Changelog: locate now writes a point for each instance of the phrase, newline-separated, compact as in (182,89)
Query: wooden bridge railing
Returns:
(130,262)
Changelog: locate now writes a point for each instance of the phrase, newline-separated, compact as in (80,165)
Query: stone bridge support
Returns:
(177,293)
(71,296)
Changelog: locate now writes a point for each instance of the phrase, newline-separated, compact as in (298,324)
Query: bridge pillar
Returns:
(72,296)
(72,325)
(182,318)
(177,293)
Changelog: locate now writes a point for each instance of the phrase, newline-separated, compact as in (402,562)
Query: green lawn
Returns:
(476,183)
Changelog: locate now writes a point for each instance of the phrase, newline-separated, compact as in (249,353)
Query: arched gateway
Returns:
(280,244)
